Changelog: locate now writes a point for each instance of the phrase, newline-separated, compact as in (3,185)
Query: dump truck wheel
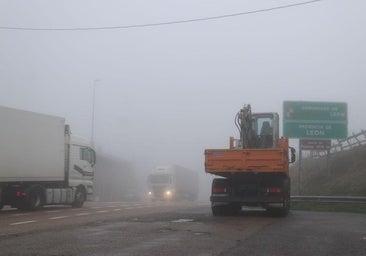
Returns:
(219,210)
(235,208)
(286,207)
(280,212)
(225,210)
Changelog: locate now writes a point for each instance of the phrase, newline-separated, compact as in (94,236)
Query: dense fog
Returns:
(162,94)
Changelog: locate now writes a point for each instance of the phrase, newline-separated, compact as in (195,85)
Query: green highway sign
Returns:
(315,120)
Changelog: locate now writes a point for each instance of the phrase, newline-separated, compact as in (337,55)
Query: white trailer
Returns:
(172,182)
(41,163)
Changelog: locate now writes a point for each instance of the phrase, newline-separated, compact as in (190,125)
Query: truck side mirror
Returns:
(93,157)
(293,155)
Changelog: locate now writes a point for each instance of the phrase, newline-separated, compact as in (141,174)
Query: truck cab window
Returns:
(265,132)
(87,155)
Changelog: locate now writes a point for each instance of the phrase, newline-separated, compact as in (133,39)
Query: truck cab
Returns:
(261,131)
(161,185)
(172,182)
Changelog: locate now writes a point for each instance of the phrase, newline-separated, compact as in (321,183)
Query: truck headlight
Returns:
(168,193)
(149,193)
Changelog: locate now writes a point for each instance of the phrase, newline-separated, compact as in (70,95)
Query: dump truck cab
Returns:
(263,133)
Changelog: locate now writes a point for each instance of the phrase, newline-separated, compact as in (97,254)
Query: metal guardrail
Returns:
(355,140)
(330,199)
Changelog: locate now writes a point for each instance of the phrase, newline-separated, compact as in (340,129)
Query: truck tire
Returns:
(1,201)
(286,203)
(280,212)
(219,210)
(286,208)
(225,210)
(35,199)
(80,197)
(235,208)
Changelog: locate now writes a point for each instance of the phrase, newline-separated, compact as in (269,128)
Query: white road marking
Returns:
(20,214)
(182,220)
(22,222)
(122,206)
(142,206)
(82,214)
(58,217)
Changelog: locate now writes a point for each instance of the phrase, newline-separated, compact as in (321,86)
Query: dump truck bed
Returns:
(224,162)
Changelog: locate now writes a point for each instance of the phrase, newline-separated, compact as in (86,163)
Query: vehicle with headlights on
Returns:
(172,182)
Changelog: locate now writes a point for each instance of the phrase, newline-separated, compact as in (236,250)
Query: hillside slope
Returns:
(345,175)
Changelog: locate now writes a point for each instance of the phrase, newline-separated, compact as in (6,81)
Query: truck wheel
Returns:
(80,197)
(280,212)
(1,201)
(286,207)
(218,210)
(35,199)
(225,210)
(235,208)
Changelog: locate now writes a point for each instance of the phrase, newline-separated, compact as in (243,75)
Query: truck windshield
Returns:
(263,126)
(159,179)
(264,130)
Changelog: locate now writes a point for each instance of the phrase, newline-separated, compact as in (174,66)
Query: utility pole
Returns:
(93,111)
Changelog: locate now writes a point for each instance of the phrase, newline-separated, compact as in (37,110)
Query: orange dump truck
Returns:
(254,170)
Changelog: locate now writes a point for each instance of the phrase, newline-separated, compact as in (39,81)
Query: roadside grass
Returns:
(329,207)
(343,174)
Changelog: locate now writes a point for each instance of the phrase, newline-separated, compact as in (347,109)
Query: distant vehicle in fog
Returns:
(41,162)
(172,182)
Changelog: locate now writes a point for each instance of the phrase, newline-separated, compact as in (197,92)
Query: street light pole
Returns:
(93,111)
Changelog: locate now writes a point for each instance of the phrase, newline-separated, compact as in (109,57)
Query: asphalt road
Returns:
(177,229)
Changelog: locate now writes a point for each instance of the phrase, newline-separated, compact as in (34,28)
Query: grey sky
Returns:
(166,93)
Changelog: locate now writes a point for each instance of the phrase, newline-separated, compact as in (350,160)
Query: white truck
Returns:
(172,182)
(41,163)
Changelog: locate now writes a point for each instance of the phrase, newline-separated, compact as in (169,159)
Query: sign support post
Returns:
(299,170)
